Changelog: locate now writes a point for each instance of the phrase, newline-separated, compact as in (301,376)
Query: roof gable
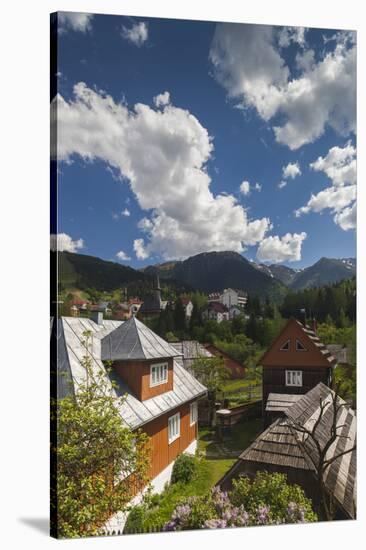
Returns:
(134,341)
(297,346)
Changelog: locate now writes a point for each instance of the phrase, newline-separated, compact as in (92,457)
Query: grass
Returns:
(218,459)
(237,385)
(240,437)
(159,508)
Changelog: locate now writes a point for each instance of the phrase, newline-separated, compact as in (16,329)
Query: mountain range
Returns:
(212,271)
(207,272)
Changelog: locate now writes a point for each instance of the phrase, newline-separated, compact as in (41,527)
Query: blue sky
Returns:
(219,105)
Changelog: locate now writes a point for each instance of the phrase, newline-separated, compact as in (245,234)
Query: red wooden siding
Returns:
(162,454)
(136,374)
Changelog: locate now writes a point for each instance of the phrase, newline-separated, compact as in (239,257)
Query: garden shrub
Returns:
(272,490)
(184,469)
(267,500)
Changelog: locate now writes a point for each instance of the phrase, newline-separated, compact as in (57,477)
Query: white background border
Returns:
(24,316)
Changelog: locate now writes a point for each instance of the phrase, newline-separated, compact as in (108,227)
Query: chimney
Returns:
(315,325)
(97,317)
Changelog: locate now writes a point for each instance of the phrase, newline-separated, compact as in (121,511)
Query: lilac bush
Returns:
(216,511)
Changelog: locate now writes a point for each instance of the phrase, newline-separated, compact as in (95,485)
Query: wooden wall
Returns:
(136,374)
(292,358)
(162,454)
(274,380)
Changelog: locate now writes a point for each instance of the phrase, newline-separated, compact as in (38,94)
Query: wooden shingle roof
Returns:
(277,445)
(280,402)
(340,476)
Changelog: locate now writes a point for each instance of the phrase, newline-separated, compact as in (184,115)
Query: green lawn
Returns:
(241,436)
(218,459)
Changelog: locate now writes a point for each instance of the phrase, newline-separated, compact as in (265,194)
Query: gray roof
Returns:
(133,340)
(280,402)
(277,445)
(340,476)
(151,304)
(135,413)
(190,350)
(340,352)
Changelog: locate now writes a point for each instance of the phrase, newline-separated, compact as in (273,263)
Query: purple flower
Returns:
(262,515)
(215,524)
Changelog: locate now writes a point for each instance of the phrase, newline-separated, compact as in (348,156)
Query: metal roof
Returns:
(133,340)
(134,412)
(190,350)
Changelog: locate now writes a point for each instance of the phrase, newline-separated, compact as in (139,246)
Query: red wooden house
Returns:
(294,364)
(235,368)
(160,394)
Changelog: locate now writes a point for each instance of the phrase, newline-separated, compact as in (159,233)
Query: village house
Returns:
(216,311)
(161,396)
(283,448)
(229,297)
(188,307)
(189,351)
(235,311)
(235,368)
(294,364)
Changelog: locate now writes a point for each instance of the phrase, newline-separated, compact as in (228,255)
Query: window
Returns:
(285,346)
(173,428)
(300,346)
(193,413)
(158,374)
(293,378)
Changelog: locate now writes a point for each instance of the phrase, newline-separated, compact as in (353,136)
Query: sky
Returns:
(179,137)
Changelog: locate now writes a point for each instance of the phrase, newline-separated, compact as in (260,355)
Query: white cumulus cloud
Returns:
(74,21)
(123,256)
(162,99)
(249,65)
(126,213)
(137,34)
(277,249)
(64,243)
(339,165)
(291,170)
(245,188)
(139,248)
(163,155)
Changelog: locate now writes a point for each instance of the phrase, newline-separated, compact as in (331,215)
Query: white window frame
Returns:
(173,427)
(193,413)
(294,378)
(158,374)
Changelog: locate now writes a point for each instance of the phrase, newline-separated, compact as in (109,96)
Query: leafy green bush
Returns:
(184,469)
(270,490)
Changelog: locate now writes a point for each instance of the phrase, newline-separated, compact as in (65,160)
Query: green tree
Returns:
(179,316)
(272,491)
(210,371)
(100,461)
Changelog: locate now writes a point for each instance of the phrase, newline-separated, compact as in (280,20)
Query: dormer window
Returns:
(285,346)
(158,374)
(300,346)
